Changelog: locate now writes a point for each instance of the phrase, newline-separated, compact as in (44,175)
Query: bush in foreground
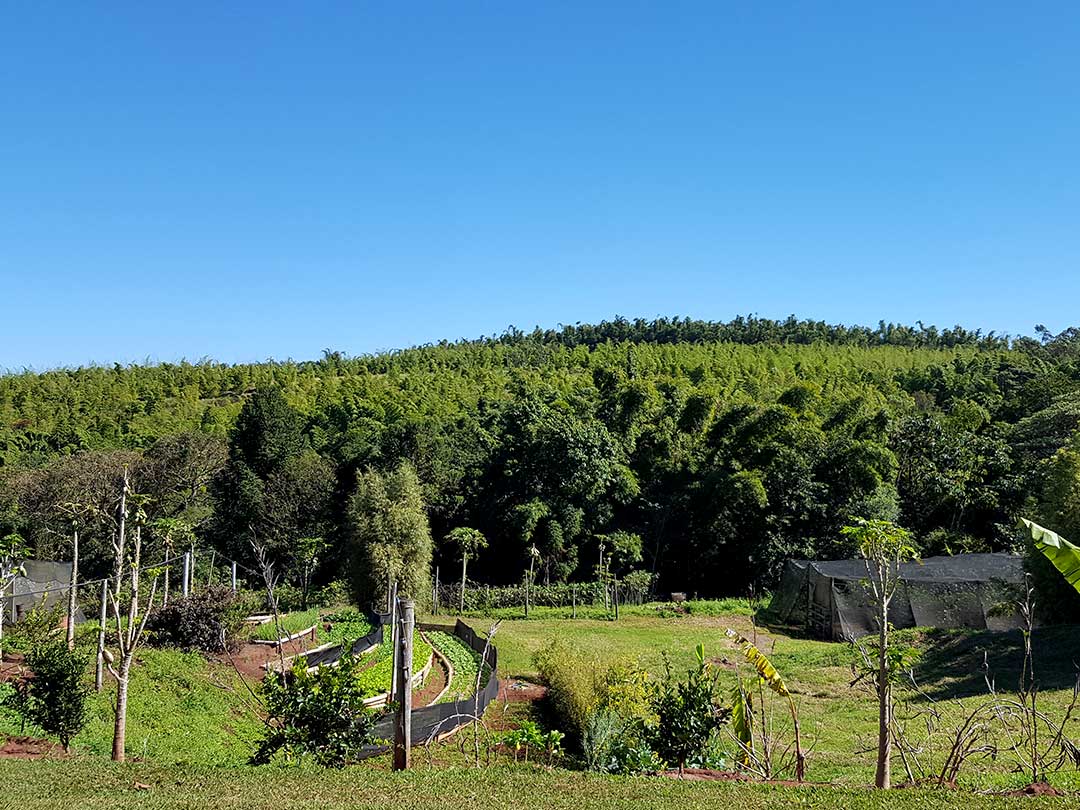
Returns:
(318,714)
(54,697)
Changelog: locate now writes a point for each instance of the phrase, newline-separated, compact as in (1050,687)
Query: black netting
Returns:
(966,590)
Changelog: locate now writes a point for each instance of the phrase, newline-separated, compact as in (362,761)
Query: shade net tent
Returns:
(830,598)
(45,584)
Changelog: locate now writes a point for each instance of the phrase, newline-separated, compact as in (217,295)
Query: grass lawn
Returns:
(181,709)
(92,784)
(192,726)
(838,720)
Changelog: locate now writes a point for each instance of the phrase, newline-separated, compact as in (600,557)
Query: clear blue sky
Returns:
(247,180)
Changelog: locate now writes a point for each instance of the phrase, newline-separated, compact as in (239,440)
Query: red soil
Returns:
(29,748)
(511,691)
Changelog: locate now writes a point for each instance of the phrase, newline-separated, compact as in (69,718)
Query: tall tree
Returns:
(389,534)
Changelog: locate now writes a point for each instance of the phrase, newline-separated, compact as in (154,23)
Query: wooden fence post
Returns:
(233,578)
(403,729)
(99,671)
(573,601)
(395,640)
(616,598)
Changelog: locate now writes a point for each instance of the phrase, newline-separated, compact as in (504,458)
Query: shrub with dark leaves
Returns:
(206,621)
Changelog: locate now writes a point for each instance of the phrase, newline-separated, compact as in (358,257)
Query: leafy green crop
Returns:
(465,661)
(376,679)
(290,623)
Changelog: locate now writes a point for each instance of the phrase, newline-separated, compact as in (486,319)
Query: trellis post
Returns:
(185,583)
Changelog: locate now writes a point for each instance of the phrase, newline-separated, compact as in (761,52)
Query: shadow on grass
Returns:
(952,663)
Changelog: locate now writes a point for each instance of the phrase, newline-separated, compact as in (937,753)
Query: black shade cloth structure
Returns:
(829,598)
(430,723)
(45,583)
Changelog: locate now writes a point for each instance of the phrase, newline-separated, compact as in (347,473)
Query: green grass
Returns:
(838,720)
(291,623)
(91,784)
(181,709)
(186,711)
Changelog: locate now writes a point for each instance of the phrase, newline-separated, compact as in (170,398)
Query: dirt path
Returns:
(250,658)
(435,683)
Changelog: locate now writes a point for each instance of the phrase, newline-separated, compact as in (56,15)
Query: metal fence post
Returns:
(234,576)
(185,583)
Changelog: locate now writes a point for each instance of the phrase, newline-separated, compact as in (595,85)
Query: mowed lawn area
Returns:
(838,718)
(189,749)
(96,784)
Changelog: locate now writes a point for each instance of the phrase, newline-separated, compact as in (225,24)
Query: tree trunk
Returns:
(883,778)
(73,590)
(464,562)
(120,727)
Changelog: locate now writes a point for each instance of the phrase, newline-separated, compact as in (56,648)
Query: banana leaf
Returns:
(1063,554)
(765,669)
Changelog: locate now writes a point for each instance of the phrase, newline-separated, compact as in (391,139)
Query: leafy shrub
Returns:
(333,594)
(40,624)
(616,744)
(289,598)
(528,737)
(206,621)
(575,685)
(688,718)
(54,698)
(319,714)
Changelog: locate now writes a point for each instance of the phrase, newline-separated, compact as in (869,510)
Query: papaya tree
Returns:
(469,543)
(884,546)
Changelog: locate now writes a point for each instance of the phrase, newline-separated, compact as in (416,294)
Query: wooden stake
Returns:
(403,729)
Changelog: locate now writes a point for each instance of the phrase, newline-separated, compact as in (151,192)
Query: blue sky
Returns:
(252,180)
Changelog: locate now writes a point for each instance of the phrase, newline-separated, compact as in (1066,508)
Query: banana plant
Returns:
(742,709)
(1064,555)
